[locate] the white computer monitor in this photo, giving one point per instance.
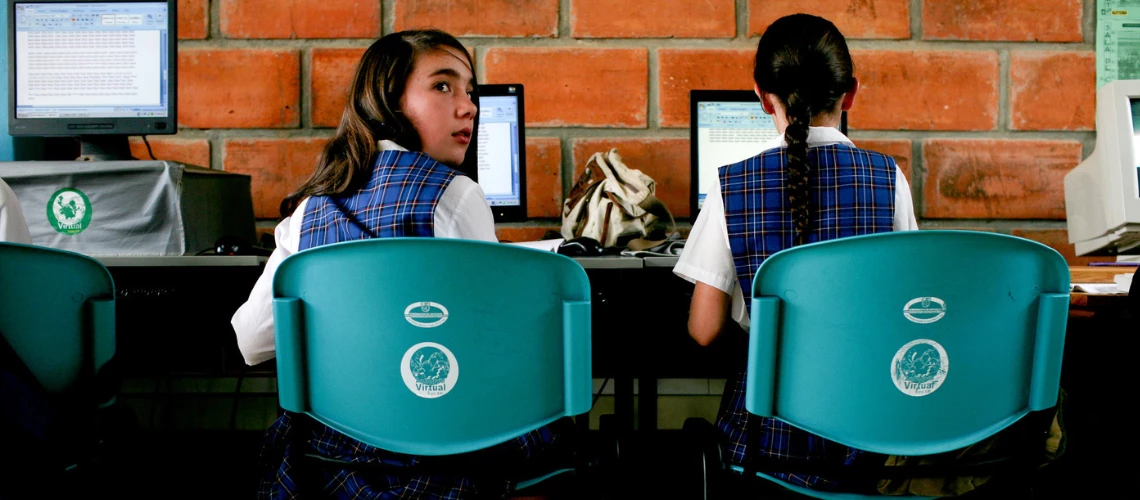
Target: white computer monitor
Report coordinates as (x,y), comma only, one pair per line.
(1102,195)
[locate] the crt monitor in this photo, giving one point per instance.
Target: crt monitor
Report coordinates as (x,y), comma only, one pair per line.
(99,71)
(501,144)
(1102,195)
(726,126)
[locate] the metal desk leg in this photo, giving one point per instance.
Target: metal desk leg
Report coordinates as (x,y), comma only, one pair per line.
(647,404)
(623,402)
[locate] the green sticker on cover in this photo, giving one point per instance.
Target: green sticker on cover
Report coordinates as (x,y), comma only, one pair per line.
(69,211)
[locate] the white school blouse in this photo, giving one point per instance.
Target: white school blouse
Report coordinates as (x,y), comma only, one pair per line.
(13,226)
(707,256)
(462,213)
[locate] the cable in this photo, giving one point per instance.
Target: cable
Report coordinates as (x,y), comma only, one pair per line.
(148,150)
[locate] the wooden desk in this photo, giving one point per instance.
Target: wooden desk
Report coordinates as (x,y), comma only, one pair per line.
(1086,305)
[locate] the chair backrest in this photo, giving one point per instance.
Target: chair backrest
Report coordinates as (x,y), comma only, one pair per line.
(57,312)
(908,343)
(432,346)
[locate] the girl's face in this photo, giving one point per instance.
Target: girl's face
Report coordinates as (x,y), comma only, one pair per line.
(437,102)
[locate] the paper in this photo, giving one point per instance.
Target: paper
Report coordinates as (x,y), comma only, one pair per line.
(547,245)
(1096,288)
(1117,40)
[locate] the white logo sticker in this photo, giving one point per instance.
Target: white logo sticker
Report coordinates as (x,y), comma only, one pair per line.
(425,314)
(925,310)
(919,367)
(429,370)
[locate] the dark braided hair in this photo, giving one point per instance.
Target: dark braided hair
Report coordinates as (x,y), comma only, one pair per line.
(803,61)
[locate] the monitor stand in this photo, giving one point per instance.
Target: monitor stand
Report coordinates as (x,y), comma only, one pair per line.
(104,148)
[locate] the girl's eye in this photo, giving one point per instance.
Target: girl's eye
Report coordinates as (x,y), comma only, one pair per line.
(443,87)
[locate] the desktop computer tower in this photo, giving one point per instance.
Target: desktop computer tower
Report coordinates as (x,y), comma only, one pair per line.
(131,208)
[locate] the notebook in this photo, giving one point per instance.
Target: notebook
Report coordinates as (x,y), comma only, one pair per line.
(501,150)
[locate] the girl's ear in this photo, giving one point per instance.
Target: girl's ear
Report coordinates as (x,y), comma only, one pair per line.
(764,102)
(849,97)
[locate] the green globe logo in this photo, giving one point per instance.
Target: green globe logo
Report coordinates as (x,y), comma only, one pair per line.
(430,366)
(69,211)
(920,364)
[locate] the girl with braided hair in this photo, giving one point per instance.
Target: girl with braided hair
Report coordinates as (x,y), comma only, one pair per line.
(812,184)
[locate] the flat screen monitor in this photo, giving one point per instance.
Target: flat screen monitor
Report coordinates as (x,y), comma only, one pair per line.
(501,145)
(100,71)
(1102,194)
(726,126)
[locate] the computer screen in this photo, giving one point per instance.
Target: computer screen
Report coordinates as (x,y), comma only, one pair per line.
(1102,194)
(103,68)
(727,126)
(501,150)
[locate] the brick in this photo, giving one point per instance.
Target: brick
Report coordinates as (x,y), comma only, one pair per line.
(916,90)
(276,167)
(300,18)
(899,149)
(682,70)
(239,88)
(189,151)
(666,161)
(516,233)
(873,19)
(543,177)
(499,18)
(1052,90)
(652,19)
(332,71)
(193,19)
(1003,20)
(576,87)
(996,179)
(1058,239)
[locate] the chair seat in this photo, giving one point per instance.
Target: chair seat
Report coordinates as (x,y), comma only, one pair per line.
(826,495)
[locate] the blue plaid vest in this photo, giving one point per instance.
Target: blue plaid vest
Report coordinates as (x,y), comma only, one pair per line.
(853,193)
(399,200)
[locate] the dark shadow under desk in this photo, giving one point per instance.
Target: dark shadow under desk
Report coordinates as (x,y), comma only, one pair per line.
(173,313)
(640,332)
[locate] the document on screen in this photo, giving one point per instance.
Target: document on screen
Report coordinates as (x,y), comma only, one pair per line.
(85,68)
(495,176)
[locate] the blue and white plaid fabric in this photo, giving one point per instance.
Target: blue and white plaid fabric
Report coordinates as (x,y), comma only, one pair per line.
(279,460)
(399,200)
(853,193)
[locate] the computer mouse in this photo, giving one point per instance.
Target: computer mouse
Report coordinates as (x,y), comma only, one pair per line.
(582,246)
(231,245)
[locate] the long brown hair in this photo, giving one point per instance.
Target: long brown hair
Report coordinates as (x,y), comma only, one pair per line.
(803,60)
(372,114)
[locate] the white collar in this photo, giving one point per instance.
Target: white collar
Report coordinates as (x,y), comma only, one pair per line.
(386,145)
(817,136)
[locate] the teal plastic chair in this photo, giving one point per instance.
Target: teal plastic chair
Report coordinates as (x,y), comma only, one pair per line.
(57,314)
(432,347)
(907,343)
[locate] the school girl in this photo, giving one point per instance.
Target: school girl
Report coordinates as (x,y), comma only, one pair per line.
(389,171)
(812,184)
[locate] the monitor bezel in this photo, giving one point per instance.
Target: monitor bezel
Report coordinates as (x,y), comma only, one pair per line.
(120,126)
(511,213)
(705,95)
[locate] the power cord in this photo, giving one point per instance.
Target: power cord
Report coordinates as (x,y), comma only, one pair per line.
(148,150)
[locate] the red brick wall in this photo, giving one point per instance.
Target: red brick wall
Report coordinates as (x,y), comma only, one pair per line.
(985,104)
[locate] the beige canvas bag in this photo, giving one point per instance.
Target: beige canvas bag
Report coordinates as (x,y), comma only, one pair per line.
(615,205)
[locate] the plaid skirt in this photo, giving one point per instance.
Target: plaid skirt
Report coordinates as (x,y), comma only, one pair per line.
(780,440)
(279,457)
